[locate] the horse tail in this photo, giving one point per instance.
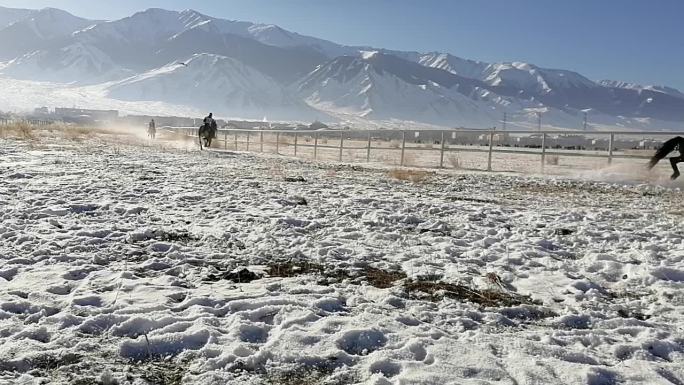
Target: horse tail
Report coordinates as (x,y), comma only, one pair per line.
(665,149)
(199,136)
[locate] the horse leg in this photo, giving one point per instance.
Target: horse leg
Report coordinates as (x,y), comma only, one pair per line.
(673,162)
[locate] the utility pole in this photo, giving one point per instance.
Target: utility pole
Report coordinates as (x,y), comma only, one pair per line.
(585,120)
(539,118)
(504,121)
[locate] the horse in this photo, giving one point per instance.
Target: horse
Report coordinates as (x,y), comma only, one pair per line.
(207,132)
(676,143)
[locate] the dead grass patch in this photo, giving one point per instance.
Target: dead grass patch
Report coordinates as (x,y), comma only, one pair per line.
(454,161)
(308,376)
(21,131)
(409,159)
(76,133)
(295,268)
(382,279)
(552,160)
(285,139)
(436,291)
(408,175)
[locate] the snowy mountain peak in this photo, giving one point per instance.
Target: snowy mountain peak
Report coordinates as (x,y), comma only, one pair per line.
(52,23)
(531,78)
(222,84)
(192,17)
(634,86)
(377,85)
(38,30)
(77,63)
(368,55)
(456,65)
(12,15)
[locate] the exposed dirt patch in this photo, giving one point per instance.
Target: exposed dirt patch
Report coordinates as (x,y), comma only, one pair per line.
(237,276)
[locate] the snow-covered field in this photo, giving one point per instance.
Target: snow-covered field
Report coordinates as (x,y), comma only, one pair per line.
(136,263)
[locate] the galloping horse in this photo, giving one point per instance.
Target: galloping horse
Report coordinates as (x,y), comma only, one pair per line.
(676,143)
(207,132)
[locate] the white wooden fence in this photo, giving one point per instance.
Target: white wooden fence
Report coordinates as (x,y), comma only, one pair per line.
(33,122)
(490,142)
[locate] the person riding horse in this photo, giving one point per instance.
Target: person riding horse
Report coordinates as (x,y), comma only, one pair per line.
(208,130)
(152,129)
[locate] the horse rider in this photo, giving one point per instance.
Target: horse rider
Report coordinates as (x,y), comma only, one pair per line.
(152,129)
(210,120)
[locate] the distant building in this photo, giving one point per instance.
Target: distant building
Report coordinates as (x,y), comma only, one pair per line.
(42,111)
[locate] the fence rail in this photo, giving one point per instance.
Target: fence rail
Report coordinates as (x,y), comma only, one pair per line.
(489,142)
(33,122)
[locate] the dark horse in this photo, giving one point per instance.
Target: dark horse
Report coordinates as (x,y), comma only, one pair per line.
(207,133)
(676,143)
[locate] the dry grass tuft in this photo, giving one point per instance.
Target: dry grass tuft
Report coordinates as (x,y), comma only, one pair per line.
(409,159)
(552,160)
(436,291)
(454,161)
(285,139)
(21,131)
(382,279)
(76,133)
(25,131)
(414,176)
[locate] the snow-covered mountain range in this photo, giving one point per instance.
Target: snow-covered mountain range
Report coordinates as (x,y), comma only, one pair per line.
(253,70)
(217,83)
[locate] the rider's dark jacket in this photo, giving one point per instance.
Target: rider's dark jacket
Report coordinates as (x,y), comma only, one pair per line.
(210,121)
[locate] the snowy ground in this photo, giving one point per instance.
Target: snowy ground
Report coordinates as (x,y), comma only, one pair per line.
(116,261)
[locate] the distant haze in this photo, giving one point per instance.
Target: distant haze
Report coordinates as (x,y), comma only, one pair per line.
(634,41)
(243,69)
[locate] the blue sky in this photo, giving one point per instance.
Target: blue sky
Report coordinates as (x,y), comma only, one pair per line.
(633,40)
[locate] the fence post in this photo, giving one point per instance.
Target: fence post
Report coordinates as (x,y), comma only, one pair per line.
(543,152)
(225,140)
(296,138)
(491,147)
(315,145)
(248,135)
(610,148)
(261,140)
(277,142)
(441,152)
(236,140)
(368,148)
(341,144)
(403,147)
